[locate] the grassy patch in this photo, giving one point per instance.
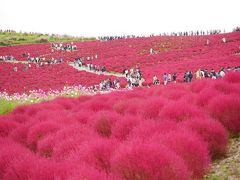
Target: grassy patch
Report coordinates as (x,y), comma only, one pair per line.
(6,106)
(14,38)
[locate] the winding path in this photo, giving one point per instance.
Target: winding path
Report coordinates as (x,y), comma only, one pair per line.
(95,72)
(79,69)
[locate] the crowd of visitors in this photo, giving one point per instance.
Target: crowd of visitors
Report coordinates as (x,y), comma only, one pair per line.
(54,61)
(7,30)
(24,68)
(109,84)
(105,85)
(184,33)
(42,60)
(167,78)
(134,78)
(194,33)
(109,38)
(189,75)
(7,58)
(62,47)
(204,73)
(81,62)
(236,29)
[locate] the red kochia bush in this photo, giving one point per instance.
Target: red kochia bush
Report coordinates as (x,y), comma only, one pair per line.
(96,105)
(39,131)
(83,98)
(174,92)
(36,168)
(189,147)
(32,110)
(212,132)
(83,171)
(103,122)
(122,128)
(138,160)
(199,85)
(66,103)
(47,169)
(151,107)
(60,117)
(9,152)
(62,150)
(205,96)
(20,133)
(133,106)
(226,109)
(6,126)
(21,118)
(21,168)
(227,88)
(120,106)
(96,152)
(82,116)
(232,77)
(45,146)
(66,140)
(147,129)
(180,111)
(20,109)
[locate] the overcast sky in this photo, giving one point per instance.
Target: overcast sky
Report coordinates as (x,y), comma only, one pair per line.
(118,17)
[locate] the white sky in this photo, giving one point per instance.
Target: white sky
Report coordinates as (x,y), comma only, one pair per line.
(118,17)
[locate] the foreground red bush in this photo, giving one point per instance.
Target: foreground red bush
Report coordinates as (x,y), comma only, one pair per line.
(39,131)
(122,128)
(226,109)
(103,122)
(180,111)
(96,153)
(189,147)
(6,127)
(9,153)
(212,132)
(138,160)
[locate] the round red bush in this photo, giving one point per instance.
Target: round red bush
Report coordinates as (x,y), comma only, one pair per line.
(180,111)
(212,132)
(103,121)
(96,153)
(226,109)
(189,147)
(138,160)
(123,127)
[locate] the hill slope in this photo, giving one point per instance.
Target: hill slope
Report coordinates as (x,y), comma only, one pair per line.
(13,38)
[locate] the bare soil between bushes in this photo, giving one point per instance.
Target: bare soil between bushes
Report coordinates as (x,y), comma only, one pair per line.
(228,167)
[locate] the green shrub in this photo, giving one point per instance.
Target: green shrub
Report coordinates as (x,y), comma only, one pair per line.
(42,40)
(22,39)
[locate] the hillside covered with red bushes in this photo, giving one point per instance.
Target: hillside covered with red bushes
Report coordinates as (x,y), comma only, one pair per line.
(171,54)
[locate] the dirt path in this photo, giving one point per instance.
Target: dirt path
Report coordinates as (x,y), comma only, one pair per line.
(16,61)
(94,72)
(78,68)
(227,168)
